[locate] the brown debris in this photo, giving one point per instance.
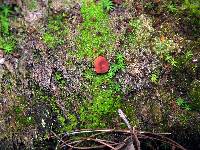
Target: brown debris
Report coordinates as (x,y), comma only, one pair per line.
(139,8)
(16,55)
(118,2)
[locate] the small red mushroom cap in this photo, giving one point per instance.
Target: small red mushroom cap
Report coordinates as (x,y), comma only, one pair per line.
(101,65)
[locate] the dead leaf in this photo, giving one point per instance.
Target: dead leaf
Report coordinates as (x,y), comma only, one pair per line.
(156,1)
(162,38)
(94,50)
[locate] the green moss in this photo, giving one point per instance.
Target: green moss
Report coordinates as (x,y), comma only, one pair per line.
(192,6)
(106,97)
(68,124)
(60,79)
(49,39)
(95,34)
(19,111)
(190,11)
(24,121)
(7,44)
(154,78)
(7,40)
(130,112)
(182,103)
(172,8)
(164,50)
(64,122)
(140,32)
(194,94)
(4,19)
(107,5)
(97,38)
(184,119)
(99,113)
(31,4)
(56,32)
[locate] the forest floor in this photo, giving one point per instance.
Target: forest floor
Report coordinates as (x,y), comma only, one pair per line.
(47,77)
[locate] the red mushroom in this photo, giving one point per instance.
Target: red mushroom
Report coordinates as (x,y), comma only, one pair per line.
(101,65)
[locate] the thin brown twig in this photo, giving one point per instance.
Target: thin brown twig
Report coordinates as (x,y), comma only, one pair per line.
(149,135)
(90,137)
(75,142)
(84,131)
(61,139)
(102,142)
(94,147)
(158,137)
(123,143)
(164,139)
(132,129)
(167,142)
(110,130)
(82,140)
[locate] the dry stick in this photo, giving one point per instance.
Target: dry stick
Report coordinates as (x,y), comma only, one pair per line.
(61,140)
(102,142)
(82,140)
(89,137)
(94,147)
(123,143)
(109,144)
(142,134)
(159,137)
(104,131)
(80,132)
(75,142)
(64,143)
(164,139)
(110,130)
(132,130)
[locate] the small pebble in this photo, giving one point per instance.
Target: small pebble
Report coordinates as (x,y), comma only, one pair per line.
(2,60)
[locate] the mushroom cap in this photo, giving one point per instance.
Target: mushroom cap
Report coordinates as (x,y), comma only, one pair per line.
(101,65)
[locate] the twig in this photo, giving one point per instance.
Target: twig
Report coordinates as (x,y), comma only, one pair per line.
(123,144)
(102,142)
(82,140)
(140,135)
(123,116)
(110,130)
(164,139)
(61,139)
(132,130)
(94,147)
